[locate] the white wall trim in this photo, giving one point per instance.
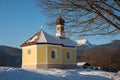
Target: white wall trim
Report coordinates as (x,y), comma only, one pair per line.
(45,63)
(49,45)
(61,55)
(69,47)
(62,63)
(46,54)
(28,46)
(36,54)
(29,64)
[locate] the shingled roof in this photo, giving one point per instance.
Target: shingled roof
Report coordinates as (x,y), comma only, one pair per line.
(42,37)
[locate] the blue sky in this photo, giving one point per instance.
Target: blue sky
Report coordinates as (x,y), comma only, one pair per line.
(20,19)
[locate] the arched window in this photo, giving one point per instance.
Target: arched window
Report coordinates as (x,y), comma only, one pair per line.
(68,55)
(53,54)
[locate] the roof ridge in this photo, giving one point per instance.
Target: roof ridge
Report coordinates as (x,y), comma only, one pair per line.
(43,32)
(27,41)
(46,36)
(43,37)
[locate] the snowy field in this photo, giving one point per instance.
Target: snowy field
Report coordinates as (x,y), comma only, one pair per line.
(8,73)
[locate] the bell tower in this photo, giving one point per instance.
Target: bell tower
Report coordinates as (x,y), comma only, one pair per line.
(60,27)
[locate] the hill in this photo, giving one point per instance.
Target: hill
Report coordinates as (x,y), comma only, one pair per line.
(10,56)
(82,45)
(7,73)
(105,56)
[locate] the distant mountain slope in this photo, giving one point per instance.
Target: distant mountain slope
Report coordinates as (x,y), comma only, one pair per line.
(113,44)
(104,56)
(82,45)
(10,56)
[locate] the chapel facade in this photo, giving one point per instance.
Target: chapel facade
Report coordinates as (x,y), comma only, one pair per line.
(45,51)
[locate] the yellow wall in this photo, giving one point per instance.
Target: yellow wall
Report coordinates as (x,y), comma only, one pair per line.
(73,55)
(61,55)
(40,53)
(29,58)
(41,56)
(54,61)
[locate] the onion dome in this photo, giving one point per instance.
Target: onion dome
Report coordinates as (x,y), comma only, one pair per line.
(60,21)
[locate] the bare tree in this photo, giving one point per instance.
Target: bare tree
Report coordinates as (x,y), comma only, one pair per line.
(86,17)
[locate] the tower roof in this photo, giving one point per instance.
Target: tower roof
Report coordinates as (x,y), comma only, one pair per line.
(42,37)
(60,20)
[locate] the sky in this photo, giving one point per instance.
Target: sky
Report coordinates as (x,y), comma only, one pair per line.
(20,19)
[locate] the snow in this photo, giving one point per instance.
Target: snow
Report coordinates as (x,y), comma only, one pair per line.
(56,40)
(33,39)
(9,73)
(50,38)
(44,37)
(83,42)
(81,63)
(41,38)
(67,42)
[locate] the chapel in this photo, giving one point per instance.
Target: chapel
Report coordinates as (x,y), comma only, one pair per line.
(45,51)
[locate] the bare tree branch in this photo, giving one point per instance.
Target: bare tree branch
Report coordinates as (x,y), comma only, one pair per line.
(86,17)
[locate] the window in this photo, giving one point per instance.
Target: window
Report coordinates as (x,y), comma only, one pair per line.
(58,28)
(53,54)
(62,28)
(68,55)
(28,51)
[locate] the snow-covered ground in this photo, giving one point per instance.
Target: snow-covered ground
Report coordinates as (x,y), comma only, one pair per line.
(8,73)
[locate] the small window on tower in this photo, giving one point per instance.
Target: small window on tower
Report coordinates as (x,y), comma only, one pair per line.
(62,28)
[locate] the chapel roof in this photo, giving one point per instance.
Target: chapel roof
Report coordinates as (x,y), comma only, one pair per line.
(43,37)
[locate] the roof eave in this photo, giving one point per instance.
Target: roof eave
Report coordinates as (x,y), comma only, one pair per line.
(27,44)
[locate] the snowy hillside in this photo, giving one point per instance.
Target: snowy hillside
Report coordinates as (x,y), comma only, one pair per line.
(7,73)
